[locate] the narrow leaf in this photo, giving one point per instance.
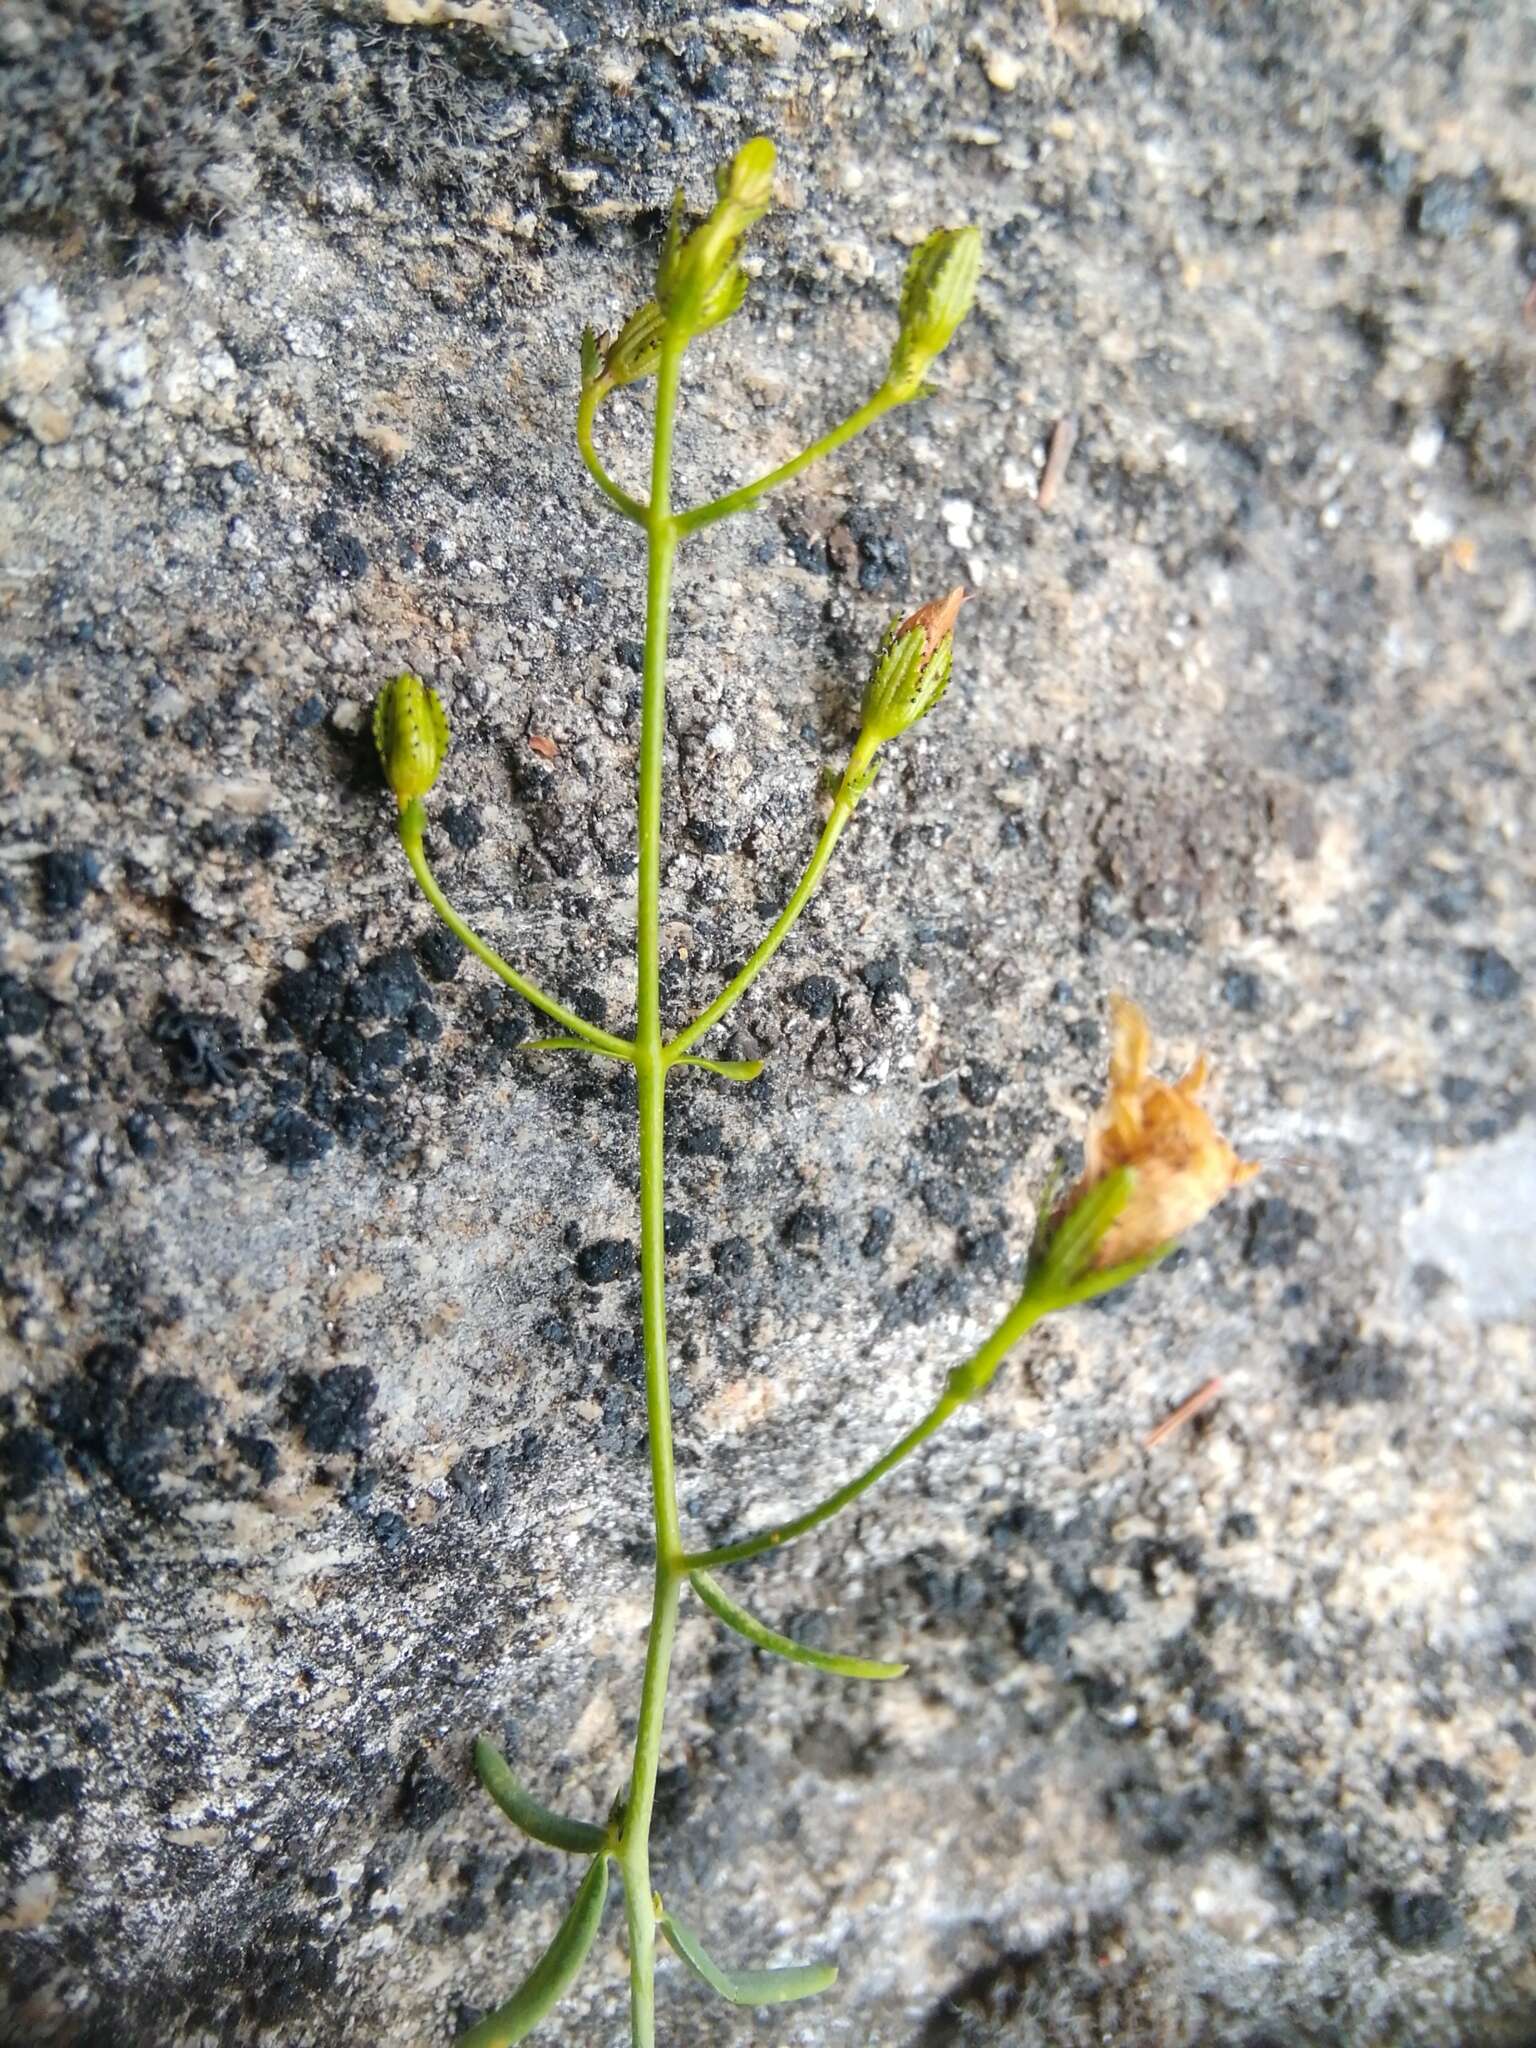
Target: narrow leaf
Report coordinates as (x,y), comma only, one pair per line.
(568,1045)
(747,1987)
(725,1609)
(728,1070)
(552,1975)
(552,1829)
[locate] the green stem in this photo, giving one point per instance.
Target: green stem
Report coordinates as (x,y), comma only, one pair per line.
(805,889)
(739,500)
(651,1074)
(586,413)
(964,1383)
(411,823)
(635,1854)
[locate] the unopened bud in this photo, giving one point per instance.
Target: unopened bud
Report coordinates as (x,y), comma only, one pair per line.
(635,349)
(698,281)
(912,670)
(410,730)
(747,180)
(938,293)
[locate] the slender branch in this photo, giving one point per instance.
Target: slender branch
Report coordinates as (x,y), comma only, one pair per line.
(415,853)
(586,414)
(805,889)
(739,500)
(965,1382)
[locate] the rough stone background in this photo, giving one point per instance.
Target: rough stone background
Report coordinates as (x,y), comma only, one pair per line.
(323,1432)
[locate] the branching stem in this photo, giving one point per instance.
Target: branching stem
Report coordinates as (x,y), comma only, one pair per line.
(586,415)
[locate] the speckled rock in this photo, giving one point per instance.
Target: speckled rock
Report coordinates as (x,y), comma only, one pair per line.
(321,1429)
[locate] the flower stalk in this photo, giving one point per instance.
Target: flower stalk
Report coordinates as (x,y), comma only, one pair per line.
(1154,1161)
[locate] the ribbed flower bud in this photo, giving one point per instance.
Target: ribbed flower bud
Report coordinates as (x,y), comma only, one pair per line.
(912,669)
(938,293)
(632,354)
(698,282)
(410,730)
(747,180)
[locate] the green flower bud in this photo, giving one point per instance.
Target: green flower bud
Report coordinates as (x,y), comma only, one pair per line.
(410,730)
(636,349)
(912,669)
(747,180)
(938,293)
(722,300)
(698,282)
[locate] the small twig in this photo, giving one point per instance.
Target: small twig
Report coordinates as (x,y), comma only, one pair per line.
(1057,456)
(1200,1398)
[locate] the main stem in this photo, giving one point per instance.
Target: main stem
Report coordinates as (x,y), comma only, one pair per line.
(651,1074)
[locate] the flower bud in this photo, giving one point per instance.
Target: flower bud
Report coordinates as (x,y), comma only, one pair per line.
(912,669)
(747,180)
(939,289)
(698,282)
(410,730)
(636,349)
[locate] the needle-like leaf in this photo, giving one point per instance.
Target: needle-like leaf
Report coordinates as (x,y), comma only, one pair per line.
(552,1975)
(578,1837)
(747,1987)
(568,1045)
(1068,1252)
(725,1609)
(728,1070)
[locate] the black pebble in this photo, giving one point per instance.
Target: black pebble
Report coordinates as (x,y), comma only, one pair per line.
(439,953)
(345,556)
(464,826)
(979,1084)
(1276,1232)
(732,1258)
(48,1795)
(1416,1919)
(1490,977)
(816,995)
(68,874)
(807,1227)
(331,1408)
(610,1258)
(389,987)
(1241,990)
(877,1233)
(293,1139)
